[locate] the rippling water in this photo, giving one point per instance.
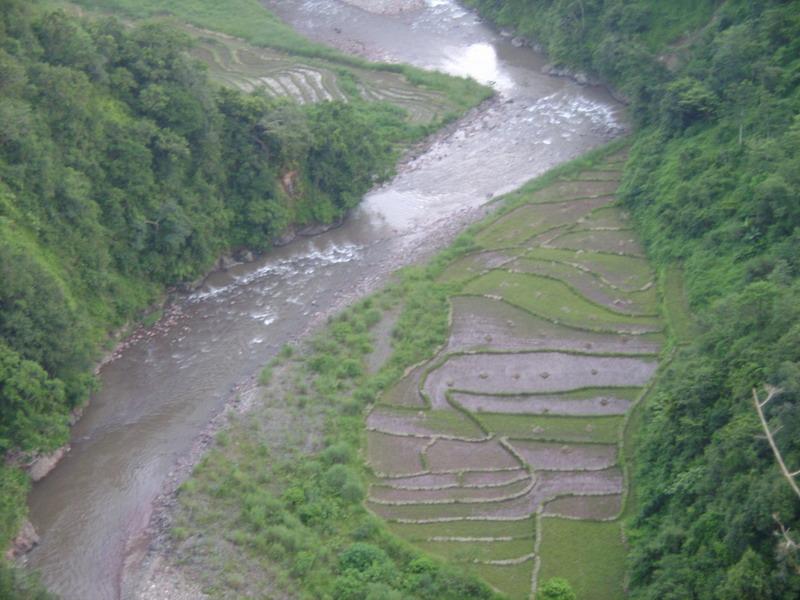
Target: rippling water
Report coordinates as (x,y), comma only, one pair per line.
(166,385)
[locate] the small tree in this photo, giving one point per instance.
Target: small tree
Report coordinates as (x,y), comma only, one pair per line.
(556,588)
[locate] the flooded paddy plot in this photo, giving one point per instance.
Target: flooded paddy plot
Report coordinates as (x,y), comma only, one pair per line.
(492,478)
(640,303)
(572,190)
(390,495)
(591,508)
(422,482)
(450,423)
(234,63)
(548,456)
(556,301)
(617,241)
(540,372)
(395,455)
(406,391)
(552,484)
(628,273)
(554,330)
(600,430)
(481,323)
(608,403)
(523,223)
(450,455)
(516,508)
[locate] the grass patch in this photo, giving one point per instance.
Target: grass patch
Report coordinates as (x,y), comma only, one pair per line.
(628,272)
(482,551)
(676,307)
(590,555)
(555,301)
(252,22)
(601,429)
(513,580)
(422,531)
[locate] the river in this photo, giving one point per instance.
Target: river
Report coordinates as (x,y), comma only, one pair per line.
(163,389)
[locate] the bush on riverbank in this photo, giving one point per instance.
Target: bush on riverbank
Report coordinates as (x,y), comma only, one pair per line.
(713,183)
(122,172)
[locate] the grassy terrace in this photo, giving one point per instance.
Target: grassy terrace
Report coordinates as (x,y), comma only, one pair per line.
(563,255)
(248,48)
(416,458)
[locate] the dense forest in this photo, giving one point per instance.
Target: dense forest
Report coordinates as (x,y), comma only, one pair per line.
(713,181)
(123,172)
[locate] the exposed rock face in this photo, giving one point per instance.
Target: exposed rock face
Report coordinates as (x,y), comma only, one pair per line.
(40,467)
(519,42)
(286,237)
(25,541)
(561,71)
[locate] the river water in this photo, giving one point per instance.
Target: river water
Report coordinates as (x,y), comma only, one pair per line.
(163,389)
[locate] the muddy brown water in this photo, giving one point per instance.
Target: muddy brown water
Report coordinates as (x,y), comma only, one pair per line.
(162,390)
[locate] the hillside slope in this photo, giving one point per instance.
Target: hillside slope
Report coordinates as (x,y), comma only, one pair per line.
(712,182)
(124,171)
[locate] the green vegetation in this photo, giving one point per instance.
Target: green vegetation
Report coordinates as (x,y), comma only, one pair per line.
(250,21)
(557,302)
(124,170)
(712,184)
(293,520)
(458,489)
(590,555)
(556,589)
(262,513)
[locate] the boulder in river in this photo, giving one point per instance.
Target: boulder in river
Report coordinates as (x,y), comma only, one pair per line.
(520,42)
(45,463)
(26,540)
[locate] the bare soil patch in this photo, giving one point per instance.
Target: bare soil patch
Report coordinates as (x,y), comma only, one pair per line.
(464,494)
(530,404)
(593,508)
(481,323)
(537,372)
(395,455)
(551,484)
(418,422)
(406,391)
(566,457)
(449,455)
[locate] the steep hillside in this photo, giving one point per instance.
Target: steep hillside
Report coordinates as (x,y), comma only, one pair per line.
(712,182)
(124,171)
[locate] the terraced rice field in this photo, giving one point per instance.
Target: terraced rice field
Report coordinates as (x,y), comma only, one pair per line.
(503,451)
(233,62)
